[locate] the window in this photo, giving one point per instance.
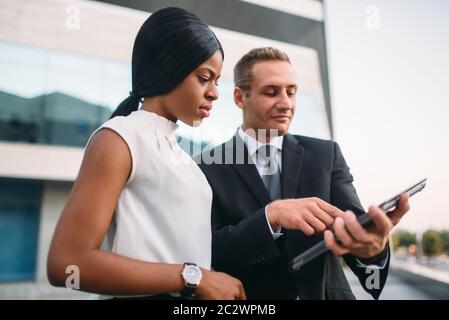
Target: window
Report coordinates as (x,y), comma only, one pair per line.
(20,202)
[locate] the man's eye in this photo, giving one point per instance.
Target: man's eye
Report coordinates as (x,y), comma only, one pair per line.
(270,93)
(291,93)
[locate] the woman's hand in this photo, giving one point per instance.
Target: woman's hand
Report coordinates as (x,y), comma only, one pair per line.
(219,286)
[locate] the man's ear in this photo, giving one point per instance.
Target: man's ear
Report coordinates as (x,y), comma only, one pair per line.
(239,97)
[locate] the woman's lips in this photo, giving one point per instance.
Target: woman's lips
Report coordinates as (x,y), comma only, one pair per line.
(205,111)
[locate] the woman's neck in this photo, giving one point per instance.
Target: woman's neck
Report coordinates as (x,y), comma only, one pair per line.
(154,105)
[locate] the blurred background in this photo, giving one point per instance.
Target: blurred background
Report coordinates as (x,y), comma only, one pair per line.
(373,76)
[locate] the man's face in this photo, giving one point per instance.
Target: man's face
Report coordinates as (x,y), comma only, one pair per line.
(271,101)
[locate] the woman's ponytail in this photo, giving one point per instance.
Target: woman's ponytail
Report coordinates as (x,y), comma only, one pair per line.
(127,106)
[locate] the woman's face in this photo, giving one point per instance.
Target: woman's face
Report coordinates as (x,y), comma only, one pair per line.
(191,101)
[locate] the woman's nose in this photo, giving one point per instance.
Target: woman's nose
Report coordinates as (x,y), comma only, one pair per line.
(212,93)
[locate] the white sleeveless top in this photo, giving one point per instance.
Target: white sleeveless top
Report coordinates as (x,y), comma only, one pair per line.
(163,213)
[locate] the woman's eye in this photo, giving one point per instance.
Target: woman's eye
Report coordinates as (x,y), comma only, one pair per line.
(203,80)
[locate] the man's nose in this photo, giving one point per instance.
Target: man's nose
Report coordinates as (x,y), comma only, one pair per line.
(284,102)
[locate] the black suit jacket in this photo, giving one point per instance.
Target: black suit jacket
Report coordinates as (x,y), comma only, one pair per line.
(242,243)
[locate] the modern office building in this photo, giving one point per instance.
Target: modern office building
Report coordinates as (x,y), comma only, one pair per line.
(65,65)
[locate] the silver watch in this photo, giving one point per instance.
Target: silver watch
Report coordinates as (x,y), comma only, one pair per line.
(192,277)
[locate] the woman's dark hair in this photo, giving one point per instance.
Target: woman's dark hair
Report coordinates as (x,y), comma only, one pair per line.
(171,43)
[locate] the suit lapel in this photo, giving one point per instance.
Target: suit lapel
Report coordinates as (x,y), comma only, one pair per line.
(242,163)
(292,160)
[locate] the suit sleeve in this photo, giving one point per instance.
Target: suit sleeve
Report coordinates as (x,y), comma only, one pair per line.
(344,196)
(243,245)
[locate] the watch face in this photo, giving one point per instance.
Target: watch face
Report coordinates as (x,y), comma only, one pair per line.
(192,274)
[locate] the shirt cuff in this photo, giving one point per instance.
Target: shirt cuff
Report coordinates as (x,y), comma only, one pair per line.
(378,264)
(276,233)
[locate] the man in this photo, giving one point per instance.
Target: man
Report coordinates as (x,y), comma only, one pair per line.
(276,196)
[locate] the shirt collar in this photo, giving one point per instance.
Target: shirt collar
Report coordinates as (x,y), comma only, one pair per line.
(253,145)
(166,127)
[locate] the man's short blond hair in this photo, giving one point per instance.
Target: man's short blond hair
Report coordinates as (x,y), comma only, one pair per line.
(243,68)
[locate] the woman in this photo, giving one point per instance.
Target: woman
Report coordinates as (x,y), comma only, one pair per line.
(154,211)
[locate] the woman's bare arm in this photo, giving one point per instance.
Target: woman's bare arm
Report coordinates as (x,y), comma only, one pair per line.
(84,223)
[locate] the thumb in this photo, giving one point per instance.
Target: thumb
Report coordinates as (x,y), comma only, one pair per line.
(380,219)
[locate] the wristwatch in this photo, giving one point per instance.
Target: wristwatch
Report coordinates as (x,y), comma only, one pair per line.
(192,277)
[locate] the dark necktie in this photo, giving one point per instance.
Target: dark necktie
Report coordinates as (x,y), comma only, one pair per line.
(271,175)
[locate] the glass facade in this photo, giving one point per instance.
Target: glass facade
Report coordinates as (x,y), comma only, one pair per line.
(57,98)
(52,97)
(20,202)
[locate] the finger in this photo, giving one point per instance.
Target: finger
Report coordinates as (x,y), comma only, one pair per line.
(328,208)
(380,219)
(332,245)
(323,216)
(342,233)
(354,228)
(401,209)
(305,227)
(316,224)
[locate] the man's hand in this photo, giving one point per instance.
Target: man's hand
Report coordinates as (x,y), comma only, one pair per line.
(310,215)
(360,242)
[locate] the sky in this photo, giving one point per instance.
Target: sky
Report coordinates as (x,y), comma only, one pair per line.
(389,77)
